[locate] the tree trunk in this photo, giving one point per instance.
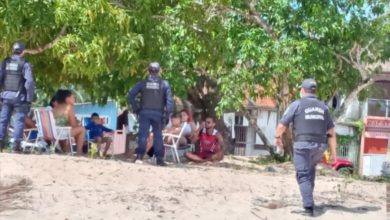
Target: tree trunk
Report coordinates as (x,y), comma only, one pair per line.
(341,116)
(253,123)
(204,105)
(284,98)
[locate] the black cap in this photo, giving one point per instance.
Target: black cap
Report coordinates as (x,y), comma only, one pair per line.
(18,48)
(154,67)
(309,85)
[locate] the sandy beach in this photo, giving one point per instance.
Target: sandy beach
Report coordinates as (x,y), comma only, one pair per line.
(67,188)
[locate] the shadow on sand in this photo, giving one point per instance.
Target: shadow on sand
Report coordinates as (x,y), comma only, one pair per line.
(322,209)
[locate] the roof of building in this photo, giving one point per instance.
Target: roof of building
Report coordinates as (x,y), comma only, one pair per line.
(261,102)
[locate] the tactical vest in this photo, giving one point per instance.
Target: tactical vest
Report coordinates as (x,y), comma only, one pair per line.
(13,78)
(310,122)
(153,95)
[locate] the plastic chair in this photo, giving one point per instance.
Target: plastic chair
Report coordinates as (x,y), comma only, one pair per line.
(175,145)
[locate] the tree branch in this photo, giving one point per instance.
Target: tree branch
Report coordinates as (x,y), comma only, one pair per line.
(352,96)
(118,3)
(49,45)
(339,56)
(173,20)
(367,46)
(253,16)
(256,17)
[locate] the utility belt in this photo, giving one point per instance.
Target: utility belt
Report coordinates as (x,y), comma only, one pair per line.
(153,109)
(20,107)
(322,139)
(23,108)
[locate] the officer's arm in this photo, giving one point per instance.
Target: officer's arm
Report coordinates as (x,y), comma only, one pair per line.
(131,96)
(332,137)
(280,129)
(286,119)
(29,85)
(332,141)
(1,73)
(169,98)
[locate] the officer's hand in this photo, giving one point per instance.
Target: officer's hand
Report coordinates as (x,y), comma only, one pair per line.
(165,120)
(278,142)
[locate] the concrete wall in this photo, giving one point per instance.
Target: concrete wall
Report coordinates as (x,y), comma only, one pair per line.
(267,121)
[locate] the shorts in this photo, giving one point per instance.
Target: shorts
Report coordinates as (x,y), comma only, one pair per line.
(206,155)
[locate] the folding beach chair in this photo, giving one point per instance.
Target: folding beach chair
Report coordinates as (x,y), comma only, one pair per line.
(92,150)
(118,144)
(47,129)
(29,141)
(175,145)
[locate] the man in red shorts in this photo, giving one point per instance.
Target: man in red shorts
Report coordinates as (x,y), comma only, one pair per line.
(210,143)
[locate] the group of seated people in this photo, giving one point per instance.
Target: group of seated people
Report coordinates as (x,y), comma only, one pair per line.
(62,106)
(209,140)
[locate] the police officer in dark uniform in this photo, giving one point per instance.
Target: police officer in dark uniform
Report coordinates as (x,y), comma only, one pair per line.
(155,107)
(313,130)
(17,93)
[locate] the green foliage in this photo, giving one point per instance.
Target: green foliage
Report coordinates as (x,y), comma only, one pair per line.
(97,45)
(244,57)
(107,45)
(380,179)
(345,140)
(359,124)
(276,158)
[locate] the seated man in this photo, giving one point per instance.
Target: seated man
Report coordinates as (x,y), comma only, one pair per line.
(210,143)
(96,130)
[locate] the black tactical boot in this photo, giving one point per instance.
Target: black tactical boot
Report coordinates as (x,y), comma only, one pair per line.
(17,148)
(160,162)
(309,211)
(1,146)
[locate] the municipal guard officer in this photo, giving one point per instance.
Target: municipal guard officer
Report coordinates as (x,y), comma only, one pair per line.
(313,129)
(155,106)
(17,93)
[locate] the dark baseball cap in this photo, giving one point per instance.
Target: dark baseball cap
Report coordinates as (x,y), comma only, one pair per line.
(18,47)
(309,84)
(154,67)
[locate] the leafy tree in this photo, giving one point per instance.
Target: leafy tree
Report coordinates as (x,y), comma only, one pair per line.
(216,53)
(276,44)
(87,42)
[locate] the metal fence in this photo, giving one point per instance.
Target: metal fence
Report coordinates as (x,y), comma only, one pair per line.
(240,139)
(349,151)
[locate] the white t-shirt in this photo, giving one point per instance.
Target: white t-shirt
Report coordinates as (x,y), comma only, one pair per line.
(187,129)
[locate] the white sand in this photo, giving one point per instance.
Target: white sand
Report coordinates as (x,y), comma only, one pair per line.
(71,188)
